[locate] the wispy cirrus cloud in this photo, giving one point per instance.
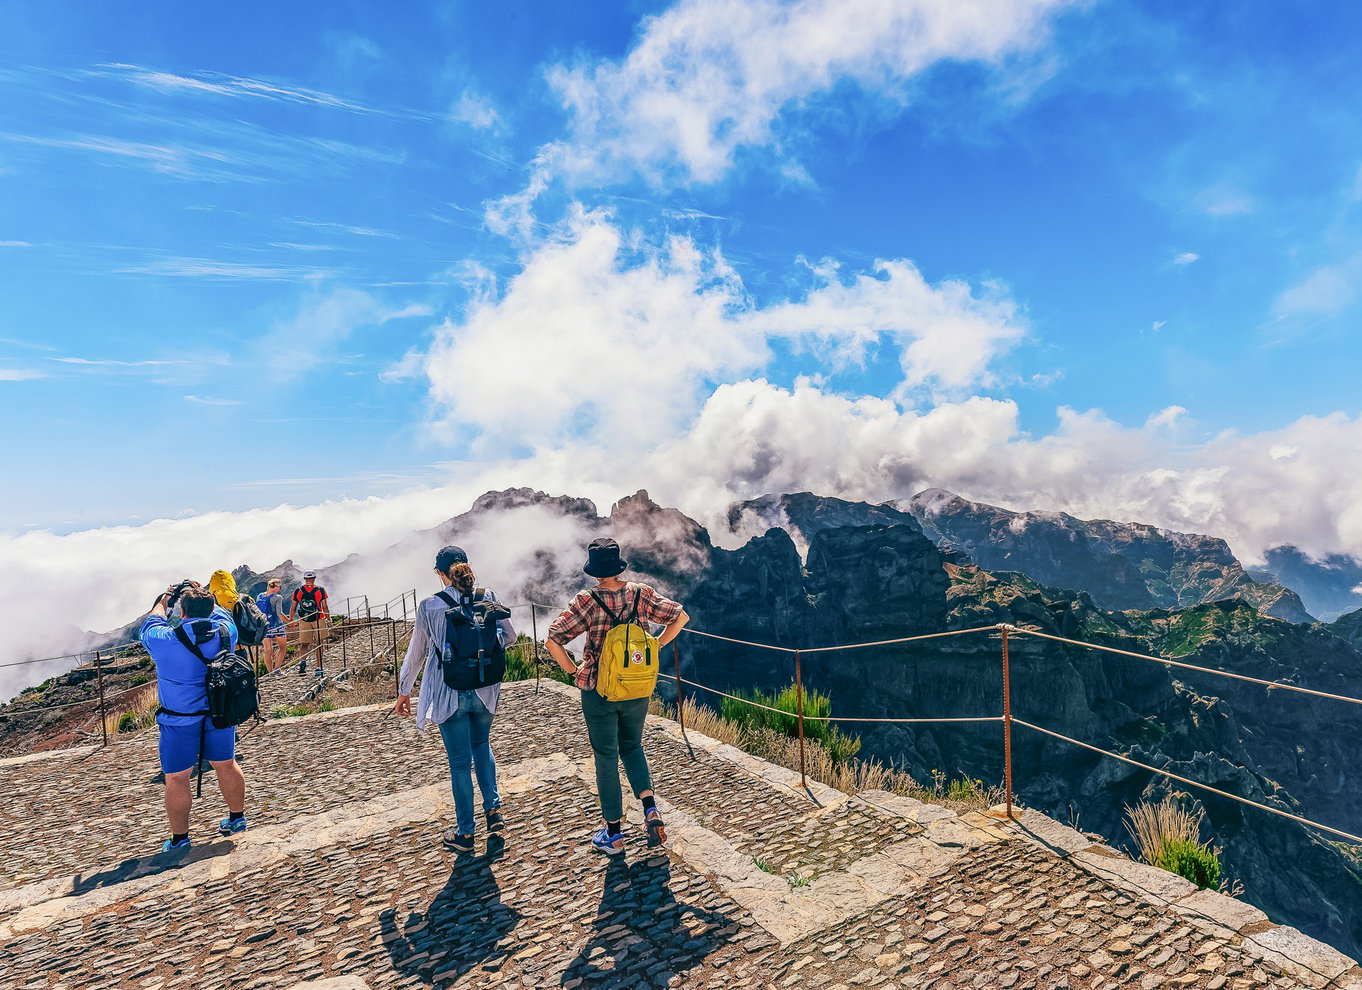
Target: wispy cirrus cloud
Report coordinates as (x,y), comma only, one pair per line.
(208,268)
(220,84)
(200,400)
(20,374)
(15,244)
(112,363)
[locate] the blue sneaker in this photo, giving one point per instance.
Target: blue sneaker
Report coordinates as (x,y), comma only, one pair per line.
(611,845)
(319,672)
(229,827)
(170,844)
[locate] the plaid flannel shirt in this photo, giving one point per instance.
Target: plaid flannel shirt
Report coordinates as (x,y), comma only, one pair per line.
(584,615)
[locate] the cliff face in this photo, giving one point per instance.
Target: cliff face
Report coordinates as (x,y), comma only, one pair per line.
(867,583)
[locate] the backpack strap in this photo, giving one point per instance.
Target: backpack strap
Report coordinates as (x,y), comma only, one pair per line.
(614,619)
(638,593)
(193,647)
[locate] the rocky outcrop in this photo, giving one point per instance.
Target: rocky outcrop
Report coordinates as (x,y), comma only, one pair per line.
(1121,565)
(1329,587)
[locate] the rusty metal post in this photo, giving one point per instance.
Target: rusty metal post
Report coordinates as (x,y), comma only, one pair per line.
(799,704)
(368,616)
(680,700)
(534,637)
(1007,724)
(103,713)
(345,650)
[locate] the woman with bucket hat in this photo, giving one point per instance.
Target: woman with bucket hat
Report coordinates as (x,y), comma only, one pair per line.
(463,714)
(615,728)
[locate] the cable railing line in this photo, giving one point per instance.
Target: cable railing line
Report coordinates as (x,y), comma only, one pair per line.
(825,718)
(1271,685)
(903,639)
(1193,783)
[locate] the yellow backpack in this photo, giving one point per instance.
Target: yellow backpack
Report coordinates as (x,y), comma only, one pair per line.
(629,658)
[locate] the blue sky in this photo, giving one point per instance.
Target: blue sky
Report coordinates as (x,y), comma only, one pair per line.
(1100,257)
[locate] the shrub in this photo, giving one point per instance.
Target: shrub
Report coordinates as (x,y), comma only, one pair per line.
(1199,864)
(1169,837)
(128,722)
(137,679)
(840,747)
(520,663)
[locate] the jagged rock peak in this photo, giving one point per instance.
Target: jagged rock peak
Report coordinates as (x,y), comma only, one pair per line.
(518,498)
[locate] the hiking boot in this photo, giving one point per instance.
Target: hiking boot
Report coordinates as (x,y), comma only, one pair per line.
(229,826)
(494,820)
(611,845)
(457,843)
(657,831)
(170,844)
(302,667)
(319,672)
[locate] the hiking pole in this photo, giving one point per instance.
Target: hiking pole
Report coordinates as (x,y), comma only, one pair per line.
(534,630)
(103,714)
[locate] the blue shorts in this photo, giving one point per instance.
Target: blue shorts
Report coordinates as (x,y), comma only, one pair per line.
(180,744)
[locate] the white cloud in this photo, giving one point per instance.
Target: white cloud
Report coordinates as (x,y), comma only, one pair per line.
(709,78)
(15,244)
(1224,201)
(209,401)
(1186,258)
(476,111)
(609,328)
(310,337)
(1327,291)
(19,374)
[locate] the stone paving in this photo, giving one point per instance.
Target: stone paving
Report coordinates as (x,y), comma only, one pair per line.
(342,878)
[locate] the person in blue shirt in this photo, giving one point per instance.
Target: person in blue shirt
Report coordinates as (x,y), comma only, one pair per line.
(183,716)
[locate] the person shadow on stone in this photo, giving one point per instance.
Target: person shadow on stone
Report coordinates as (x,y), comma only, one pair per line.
(642,936)
(461,928)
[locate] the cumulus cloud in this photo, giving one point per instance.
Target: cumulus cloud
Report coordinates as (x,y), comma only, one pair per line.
(708,78)
(609,328)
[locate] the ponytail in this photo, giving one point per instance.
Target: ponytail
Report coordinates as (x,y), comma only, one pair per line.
(461,576)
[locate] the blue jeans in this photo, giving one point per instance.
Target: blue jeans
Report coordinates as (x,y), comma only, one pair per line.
(466,744)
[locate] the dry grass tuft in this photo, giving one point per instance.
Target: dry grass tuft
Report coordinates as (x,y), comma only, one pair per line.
(851,776)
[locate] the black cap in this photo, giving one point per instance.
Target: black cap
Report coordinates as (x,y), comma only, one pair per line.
(448,557)
(603,559)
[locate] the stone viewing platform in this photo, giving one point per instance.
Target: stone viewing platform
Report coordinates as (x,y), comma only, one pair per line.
(341,881)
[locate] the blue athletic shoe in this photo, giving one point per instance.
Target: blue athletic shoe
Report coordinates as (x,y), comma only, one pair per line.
(229,827)
(170,844)
(611,845)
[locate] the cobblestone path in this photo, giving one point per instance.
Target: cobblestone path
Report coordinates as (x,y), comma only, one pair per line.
(763,884)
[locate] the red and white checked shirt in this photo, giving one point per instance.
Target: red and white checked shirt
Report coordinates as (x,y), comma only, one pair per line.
(584,615)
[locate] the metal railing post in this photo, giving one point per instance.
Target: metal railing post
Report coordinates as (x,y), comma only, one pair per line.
(345,650)
(1007,722)
(799,704)
(103,712)
(534,637)
(680,699)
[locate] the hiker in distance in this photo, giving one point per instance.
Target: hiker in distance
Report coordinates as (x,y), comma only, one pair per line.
(313,616)
(181,688)
(458,646)
(276,634)
(617,674)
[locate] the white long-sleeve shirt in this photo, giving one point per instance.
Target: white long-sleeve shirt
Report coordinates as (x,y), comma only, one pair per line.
(437,701)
